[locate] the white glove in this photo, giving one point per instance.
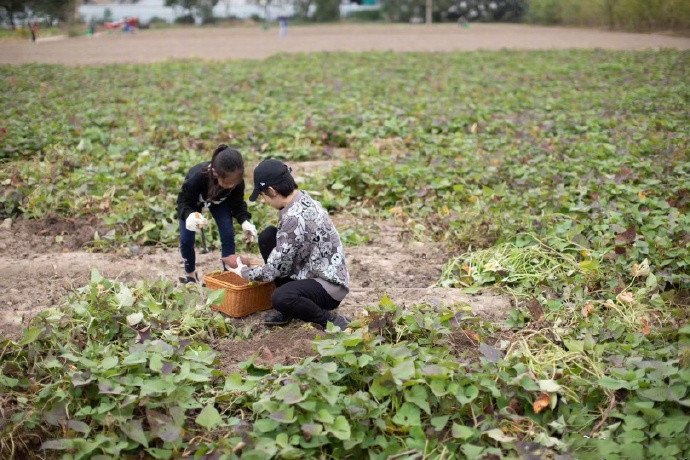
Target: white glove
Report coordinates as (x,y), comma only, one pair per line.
(195,222)
(237,270)
(249,232)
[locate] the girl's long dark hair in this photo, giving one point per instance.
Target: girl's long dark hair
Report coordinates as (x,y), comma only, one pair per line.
(224,161)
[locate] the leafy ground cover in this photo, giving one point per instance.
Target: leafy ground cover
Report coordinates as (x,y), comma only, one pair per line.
(560,177)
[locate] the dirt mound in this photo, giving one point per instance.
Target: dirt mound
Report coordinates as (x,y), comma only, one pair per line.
(284,345)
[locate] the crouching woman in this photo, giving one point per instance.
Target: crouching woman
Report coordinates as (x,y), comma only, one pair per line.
(303,254)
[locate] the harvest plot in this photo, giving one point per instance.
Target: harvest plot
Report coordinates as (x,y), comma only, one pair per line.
(557,179)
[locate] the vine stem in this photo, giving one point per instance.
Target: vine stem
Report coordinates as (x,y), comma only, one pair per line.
(604,417)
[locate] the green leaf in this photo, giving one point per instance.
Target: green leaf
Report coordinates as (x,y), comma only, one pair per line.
(162,454)
(125,299)
(613,384)
(419,396)
(30,335)
(216,296)
(549,386)
(153,386)
(265,425)
(134,318)
(383,385)
(134,431)
(589,265)
(526,382)
(439,387)
(669,393)
(284,415)
(672,426)
(408,415)
(462,432)
(290,394)
(633,451)
(404,370)
(340,428)
(324,416)
(156,362)
(467,394)
(234,382)
(471,289)
(8,382)
(439,422)
(209,417)
(472,451)
(386,301)
(499,435)
(632,422)
(109,362)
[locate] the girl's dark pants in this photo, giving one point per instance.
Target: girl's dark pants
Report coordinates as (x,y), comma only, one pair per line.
(223,217)
(302,299)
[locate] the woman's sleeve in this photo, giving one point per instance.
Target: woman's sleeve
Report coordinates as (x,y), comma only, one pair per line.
(188,197)
(281,261)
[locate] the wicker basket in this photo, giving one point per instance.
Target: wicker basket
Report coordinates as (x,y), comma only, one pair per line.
(241,299)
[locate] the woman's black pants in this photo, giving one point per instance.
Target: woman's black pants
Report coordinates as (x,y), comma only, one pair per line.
(302,299)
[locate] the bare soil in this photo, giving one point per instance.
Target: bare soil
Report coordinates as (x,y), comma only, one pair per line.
(253,42)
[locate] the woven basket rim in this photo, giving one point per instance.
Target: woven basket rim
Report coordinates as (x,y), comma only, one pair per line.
(217,279)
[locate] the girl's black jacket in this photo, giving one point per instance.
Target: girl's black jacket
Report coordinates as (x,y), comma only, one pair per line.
(194,195)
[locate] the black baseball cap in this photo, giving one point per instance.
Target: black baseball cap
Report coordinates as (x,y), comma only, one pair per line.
(268,172)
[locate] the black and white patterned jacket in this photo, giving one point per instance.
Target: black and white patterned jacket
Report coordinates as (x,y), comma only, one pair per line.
(307,247)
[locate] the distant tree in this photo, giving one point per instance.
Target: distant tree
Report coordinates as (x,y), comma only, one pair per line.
(202,8)
(266,4)
(302,8)
(62,10)
(401,10)
(327,10)
(13,8)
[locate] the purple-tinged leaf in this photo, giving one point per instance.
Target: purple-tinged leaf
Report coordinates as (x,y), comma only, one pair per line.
(490,353)
(106,387)
(144,334)
(78,426)
(626,237)
(166,368)
(58,444)
(81,378)
(56,416)
(134,431)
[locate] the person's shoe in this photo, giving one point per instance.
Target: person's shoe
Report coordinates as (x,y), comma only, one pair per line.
(339,320)
(276,318)
(191,279)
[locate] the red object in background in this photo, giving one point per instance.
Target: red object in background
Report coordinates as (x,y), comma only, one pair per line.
(132,21)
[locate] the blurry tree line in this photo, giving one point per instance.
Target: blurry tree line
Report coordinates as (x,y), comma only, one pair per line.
(15,12)
(638,15)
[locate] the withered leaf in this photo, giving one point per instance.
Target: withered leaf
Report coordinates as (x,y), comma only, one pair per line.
(541,403)
(627,236)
